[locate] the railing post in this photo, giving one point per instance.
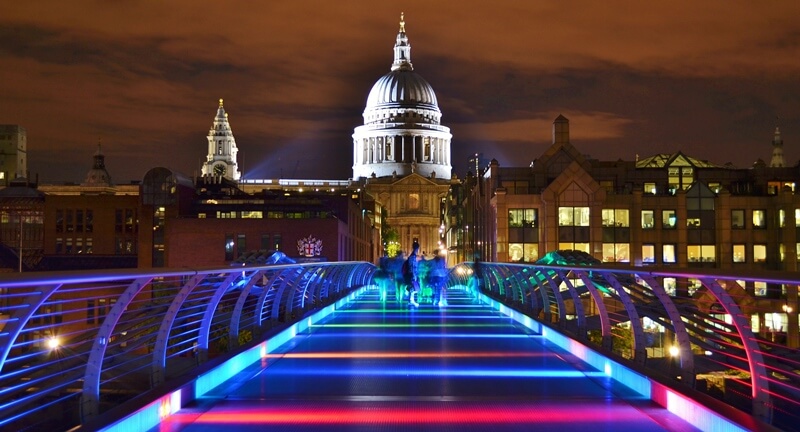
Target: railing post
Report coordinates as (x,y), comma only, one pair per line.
(762,403)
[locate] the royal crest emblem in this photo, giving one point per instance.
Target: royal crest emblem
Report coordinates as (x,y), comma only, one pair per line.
(309,247)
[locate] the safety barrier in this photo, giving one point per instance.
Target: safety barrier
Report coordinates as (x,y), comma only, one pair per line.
(691,327)
(73,345)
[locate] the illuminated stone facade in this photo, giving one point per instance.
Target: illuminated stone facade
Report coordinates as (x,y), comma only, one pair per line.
(222,150)
(402,152)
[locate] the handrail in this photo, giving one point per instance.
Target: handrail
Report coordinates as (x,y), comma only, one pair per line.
(718,353)
(117,334)
(73,344)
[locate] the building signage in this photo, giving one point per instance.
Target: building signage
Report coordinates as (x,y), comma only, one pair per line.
(309,247)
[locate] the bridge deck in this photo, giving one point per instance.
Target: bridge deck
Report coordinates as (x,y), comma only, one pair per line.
(390,367)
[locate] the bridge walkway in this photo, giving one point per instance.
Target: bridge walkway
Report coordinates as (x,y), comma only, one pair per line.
(382,365)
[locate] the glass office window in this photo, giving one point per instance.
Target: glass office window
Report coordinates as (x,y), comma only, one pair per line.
(668,255)
(737,219)
(739,253)
(648,219)
(759,218)
(759,253)
(648,254)
(669,220)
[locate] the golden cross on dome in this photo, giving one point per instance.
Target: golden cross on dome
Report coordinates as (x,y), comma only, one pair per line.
(220,102)
(402,23)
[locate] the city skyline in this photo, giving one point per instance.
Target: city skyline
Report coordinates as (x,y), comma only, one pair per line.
(710,80)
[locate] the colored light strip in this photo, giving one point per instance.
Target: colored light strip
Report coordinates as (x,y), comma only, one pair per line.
(403,325)
(419,335)
(446,371)
(404,354)
(423,310)
(436,318)
(418,415)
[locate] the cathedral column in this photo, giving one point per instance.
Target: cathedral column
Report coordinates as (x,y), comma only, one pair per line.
(447,151)
(371,151)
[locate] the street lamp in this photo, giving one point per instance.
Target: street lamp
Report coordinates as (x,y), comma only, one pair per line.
(53,342)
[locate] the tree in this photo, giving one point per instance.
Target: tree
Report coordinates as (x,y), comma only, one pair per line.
(389,237)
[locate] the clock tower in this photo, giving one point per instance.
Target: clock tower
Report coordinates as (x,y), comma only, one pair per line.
(222,150)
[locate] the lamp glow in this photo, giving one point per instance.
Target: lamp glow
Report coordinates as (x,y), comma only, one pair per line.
(53,343)
(674,351)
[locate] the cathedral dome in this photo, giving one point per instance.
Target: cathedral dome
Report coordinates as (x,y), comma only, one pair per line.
(402,131)
(401,88)
(98,175)
(402,95)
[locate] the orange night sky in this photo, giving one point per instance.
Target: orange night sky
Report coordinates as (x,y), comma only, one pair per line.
(711,79)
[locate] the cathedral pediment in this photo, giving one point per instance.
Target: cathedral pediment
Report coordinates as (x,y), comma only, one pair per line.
(414,179)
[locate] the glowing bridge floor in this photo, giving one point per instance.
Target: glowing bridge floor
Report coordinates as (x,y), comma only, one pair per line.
(389,367)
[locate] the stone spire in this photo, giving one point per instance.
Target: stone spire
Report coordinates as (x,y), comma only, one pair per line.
(98,175)
(402,49)
(777,150)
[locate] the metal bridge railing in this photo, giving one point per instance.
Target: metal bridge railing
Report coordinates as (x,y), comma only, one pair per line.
(694,328)
(73,345)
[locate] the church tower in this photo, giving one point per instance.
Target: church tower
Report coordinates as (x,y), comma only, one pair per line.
(777,150)
(222,150)
(98,175)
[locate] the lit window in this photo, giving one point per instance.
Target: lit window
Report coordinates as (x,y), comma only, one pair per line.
(669,220)
(615,217)
(759,253)
(573,216)
(701,253)
(413,201)
(670,286)
(668,256)
(583,247)
(739,253)
(759,218)
(616,252)
(648,219)
(523,252)
(648,254)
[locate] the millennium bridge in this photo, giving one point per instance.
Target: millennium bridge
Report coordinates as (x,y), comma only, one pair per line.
(558,345)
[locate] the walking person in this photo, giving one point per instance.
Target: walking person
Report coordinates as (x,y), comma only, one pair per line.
(410,275)
(477,274)
(383,277)
(436,278)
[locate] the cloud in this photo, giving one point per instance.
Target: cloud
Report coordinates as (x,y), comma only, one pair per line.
(583,126)
(145,77)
